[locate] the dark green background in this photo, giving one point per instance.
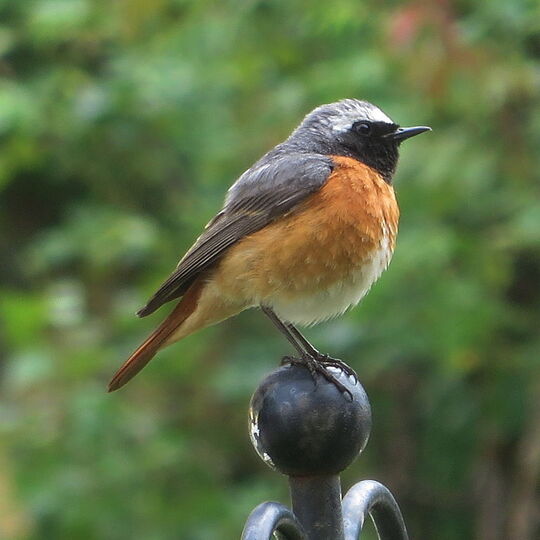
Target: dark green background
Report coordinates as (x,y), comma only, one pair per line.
(122,123)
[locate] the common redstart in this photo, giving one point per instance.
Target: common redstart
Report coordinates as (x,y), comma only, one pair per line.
(303,234)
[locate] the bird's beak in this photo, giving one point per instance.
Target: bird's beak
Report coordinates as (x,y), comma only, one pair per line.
(405,133)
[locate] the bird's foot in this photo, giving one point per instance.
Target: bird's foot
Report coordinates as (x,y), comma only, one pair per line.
(318,365)
(335,362)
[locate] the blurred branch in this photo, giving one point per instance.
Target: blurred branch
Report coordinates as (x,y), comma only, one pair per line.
(524,512)
(14,522)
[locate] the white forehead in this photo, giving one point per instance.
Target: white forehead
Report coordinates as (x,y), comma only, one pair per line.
(342,115)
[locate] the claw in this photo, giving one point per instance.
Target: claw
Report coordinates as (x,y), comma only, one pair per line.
(320,366)
(334,362)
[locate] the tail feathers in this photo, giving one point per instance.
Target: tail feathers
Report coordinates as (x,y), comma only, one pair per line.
(156,340)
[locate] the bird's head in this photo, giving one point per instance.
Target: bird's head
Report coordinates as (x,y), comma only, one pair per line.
(357,129)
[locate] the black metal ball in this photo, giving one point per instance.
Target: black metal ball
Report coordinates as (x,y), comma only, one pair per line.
(302,429)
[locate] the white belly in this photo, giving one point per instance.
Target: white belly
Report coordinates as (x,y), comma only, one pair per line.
(337,298)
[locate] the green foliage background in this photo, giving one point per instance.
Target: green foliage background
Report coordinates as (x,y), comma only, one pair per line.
(122,123)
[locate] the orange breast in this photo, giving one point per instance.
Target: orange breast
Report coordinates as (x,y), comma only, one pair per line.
(324,241)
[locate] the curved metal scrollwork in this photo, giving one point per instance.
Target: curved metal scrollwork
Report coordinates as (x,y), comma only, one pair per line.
(269,518)
(372,498)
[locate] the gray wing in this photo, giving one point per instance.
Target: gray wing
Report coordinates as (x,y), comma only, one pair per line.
(266,191)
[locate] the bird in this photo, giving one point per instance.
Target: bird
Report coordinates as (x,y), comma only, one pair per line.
(303,234)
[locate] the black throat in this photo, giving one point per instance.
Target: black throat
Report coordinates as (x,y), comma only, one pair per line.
(381,158)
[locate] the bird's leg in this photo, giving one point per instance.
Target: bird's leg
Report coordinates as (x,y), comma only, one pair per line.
(284,329)
(310,357)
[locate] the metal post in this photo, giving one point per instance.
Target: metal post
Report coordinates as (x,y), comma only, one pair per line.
(316,503)
(311,432)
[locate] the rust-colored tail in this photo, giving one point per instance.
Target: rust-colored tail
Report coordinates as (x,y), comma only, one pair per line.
(157,338)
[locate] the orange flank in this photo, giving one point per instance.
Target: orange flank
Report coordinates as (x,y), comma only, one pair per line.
(321,242)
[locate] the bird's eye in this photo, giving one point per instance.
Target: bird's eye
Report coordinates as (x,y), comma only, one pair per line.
(363,128)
